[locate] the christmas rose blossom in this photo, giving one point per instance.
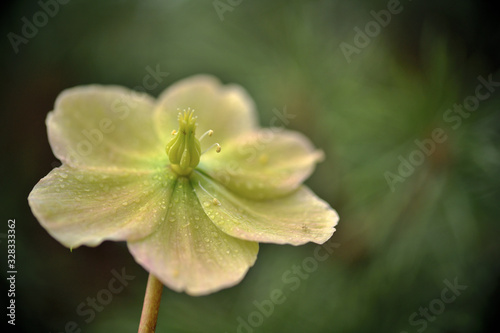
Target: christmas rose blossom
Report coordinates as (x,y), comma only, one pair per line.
(192,219)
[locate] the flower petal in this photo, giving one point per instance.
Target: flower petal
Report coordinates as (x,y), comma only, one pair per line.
(102,126)
(264,164)
(79,207)
(295,219)
(227,110)
(188,252)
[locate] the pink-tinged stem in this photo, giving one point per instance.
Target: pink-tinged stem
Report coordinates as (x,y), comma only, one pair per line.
(151,306)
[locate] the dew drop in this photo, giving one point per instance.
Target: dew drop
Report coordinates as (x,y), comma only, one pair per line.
(263,159)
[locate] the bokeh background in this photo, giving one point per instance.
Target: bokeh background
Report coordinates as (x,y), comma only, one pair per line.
(393,248)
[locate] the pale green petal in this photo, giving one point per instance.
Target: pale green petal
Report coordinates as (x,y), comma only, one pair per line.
(81,207)
(103,126)
(189,253)
(263,164)
(228,110)
(297,218)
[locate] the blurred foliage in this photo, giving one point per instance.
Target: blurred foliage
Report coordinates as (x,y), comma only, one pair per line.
(395,247)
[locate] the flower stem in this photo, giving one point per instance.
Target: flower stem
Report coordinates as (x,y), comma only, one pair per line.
(151,305)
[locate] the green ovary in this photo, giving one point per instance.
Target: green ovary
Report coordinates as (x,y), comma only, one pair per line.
(184,149)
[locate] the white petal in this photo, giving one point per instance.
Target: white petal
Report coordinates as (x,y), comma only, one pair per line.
(79,207)
(189,253)
(263,164)
(228,110)
(297,218)
(104,126)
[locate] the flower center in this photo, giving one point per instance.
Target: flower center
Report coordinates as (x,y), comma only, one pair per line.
(184,149)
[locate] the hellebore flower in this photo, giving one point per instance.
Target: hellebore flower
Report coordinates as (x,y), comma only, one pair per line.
(192,219)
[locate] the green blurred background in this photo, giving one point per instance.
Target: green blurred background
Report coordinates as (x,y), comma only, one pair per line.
(393,248)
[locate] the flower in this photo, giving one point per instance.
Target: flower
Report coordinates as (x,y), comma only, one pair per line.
(193,220)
